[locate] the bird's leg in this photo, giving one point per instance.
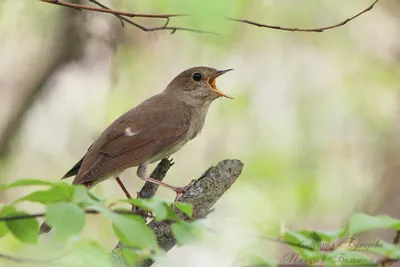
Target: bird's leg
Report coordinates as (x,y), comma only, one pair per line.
(123,187)
(142,174)
(125,191)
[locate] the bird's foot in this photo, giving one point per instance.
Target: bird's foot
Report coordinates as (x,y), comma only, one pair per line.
(180,190)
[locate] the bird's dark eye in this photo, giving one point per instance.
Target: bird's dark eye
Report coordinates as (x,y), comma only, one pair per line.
(196,76)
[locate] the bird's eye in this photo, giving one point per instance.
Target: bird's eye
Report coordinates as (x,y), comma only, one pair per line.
(196,76)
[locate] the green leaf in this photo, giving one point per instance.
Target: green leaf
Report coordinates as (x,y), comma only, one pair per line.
(66,219)
(383,248)
(3,229)
(132,231)
(253,259)
(84,253)
(95,197)
(130,256)
(84,197)
(313,239)
(329,236)
(3,225)
(26,230)
(184,207)
(161,210)
(186,232)
(25,182)
(361,222)
(57,193)
(302,238)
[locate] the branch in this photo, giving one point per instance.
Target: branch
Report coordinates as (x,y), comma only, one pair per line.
(305,29)
(29,260)
(104,9)
(388,261)
(203,194)
(122,16)
(42,214)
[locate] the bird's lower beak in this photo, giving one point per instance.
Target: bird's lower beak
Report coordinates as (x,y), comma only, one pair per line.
(213,84)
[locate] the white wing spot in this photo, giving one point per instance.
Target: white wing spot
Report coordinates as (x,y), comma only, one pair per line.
(128,132)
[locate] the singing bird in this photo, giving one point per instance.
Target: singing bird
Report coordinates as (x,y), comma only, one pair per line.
(151,131)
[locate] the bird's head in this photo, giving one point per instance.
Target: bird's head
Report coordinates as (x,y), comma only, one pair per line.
(197,84)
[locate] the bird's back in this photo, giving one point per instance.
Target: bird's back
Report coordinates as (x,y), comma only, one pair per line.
(135,137)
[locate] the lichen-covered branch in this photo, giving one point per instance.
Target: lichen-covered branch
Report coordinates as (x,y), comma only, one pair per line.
(202,195)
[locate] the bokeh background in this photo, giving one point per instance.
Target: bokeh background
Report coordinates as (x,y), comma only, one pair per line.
(315,118)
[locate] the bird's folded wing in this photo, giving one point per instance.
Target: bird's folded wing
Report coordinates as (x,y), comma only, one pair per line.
(127,143)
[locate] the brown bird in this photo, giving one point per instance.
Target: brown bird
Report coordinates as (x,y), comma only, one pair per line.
(151,131)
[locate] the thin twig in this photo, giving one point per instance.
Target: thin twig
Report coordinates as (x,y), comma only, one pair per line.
(305,29)
(103,6)
(105,9)
(121,15)
(396,239)
(29,260)
(388,261)
(42,214)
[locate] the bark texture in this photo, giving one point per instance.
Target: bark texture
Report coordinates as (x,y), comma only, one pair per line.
(202,195)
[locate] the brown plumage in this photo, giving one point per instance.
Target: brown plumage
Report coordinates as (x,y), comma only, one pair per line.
(135,137)
(155,129)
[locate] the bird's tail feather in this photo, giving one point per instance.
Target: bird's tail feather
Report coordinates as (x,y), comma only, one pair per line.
(44,228)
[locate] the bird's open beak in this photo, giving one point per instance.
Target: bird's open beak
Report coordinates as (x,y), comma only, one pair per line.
(212,82)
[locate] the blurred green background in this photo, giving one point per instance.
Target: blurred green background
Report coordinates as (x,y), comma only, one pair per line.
(314,119)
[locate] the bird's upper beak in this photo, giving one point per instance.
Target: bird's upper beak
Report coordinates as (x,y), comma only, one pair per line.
(211,81)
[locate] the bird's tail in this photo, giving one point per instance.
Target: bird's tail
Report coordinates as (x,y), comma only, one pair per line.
(44,228)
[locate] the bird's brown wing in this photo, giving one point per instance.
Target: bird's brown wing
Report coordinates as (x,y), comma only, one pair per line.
(152,127)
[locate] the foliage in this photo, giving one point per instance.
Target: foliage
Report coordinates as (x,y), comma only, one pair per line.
(66,206)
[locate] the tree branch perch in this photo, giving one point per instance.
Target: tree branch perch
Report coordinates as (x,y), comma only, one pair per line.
(202,195)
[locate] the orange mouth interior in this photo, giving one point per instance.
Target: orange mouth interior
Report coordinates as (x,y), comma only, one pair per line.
(213,84)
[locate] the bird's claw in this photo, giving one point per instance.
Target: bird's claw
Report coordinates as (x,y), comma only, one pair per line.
(180,190)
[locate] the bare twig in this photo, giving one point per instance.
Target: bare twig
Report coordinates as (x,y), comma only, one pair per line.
(103,6)
(42,214)
(321,29)
(105,9)
(386,262)
(122,16)
(29,260)
(396,239)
